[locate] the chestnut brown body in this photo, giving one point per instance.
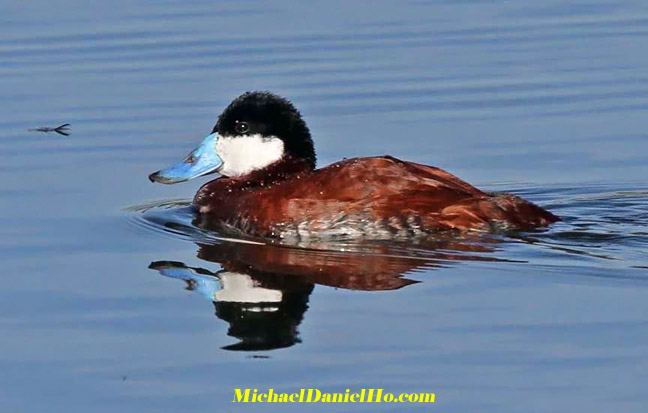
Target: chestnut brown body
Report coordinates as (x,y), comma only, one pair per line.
(376,197)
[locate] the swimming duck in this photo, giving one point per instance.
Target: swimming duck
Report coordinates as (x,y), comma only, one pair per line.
(269,186)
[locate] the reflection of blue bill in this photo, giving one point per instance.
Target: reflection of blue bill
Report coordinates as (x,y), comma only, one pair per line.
(206,285)
(221,286)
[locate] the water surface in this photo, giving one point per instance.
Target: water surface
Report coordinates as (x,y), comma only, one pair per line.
(112,293)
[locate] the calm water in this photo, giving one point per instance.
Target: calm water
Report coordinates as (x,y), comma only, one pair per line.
(112,294)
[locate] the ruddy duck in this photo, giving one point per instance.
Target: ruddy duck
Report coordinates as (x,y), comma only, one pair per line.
(269,186)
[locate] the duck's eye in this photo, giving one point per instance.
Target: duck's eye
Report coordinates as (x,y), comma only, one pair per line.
(242,127)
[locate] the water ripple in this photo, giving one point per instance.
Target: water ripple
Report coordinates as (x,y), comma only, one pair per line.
(600,226)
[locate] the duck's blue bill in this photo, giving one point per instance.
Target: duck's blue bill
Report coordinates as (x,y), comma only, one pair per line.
(201,161)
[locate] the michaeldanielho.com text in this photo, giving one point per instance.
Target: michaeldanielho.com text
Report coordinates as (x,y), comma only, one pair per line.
(317,396)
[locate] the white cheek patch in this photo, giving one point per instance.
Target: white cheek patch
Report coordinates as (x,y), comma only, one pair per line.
(244,154)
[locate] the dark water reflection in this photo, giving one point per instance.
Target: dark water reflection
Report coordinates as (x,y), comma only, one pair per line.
(262,288)
(263,309)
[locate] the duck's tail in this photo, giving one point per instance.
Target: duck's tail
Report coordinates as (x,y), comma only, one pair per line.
(497,212)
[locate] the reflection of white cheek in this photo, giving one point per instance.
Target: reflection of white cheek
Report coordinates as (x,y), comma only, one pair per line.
(239,288)
(262,309)
(244,154)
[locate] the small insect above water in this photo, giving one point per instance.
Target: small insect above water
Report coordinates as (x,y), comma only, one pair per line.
(63,129)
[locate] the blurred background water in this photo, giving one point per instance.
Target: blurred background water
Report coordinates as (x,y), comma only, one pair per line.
(544,99)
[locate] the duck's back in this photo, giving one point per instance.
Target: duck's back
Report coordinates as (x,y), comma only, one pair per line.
(380,197)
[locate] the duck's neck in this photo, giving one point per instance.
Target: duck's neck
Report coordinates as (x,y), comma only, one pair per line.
(285,168)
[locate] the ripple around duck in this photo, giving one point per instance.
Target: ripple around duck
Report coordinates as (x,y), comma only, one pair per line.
(601,226)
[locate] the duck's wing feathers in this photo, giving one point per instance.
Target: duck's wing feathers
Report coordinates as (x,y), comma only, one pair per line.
(406,194)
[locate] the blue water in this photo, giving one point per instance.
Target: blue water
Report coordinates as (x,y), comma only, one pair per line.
(110,287)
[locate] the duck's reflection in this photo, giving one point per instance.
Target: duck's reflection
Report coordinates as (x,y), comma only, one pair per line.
(262,290)
(263,312)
